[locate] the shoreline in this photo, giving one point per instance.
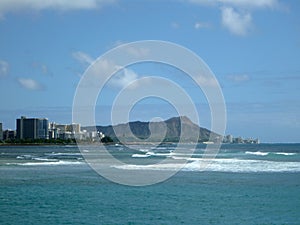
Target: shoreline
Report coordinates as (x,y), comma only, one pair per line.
(126,143)
(35,144)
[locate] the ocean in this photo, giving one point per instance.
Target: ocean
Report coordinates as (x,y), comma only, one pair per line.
(245,184)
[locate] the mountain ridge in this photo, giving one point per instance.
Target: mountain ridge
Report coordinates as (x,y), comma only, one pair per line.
(158,131)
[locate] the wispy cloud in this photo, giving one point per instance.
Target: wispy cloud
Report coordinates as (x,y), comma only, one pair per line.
(175,25)
(62,5)
(133,51)
(238,78)
(200,25)
(238,3)
(125,78)
(82,57)
(207,81)
(236,14)
(30,84)
(237,23)
(137,51)
(252,3)
(103,67)
(117,43)
(41,68)
(121,79)
(4,68)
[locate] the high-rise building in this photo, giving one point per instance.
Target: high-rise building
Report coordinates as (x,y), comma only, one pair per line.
(1,132)
(74,128)
(32,128)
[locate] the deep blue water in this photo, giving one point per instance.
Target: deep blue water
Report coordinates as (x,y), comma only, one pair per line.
(246,184)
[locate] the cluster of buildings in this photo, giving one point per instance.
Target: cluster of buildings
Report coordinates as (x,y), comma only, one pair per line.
(239,140)
(40,128)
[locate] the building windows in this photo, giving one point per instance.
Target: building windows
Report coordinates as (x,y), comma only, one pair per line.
(32,128)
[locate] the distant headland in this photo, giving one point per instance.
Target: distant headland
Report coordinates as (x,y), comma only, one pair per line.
(41,131)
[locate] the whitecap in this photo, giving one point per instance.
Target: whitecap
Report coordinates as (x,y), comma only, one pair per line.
(64,154)
(285,153)
(24,157)
(140,156)
(257,153)
(44,159)
(221,165)
(47,163)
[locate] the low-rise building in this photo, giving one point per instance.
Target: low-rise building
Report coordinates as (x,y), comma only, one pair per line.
(9,135)
(228,139)
(1,132)
(67,131)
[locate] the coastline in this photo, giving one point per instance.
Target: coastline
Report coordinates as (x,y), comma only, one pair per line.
(133,143)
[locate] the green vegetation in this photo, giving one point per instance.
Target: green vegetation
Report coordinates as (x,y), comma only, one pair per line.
(107,139)
(40,141)
(58,141)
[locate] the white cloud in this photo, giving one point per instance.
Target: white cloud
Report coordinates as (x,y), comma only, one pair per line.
(133,51)
(238,78)
(82,57)
(199,25)
(137,51)
(101,67)
(30,84)
(203,2)
(175,25)
(236,14)
(236,23)
(62,5)
(121,77)
(206,81)
(41,68)
(118,42)
(251,3)
(238,3)
(124,78)
(44,69)
(4,67)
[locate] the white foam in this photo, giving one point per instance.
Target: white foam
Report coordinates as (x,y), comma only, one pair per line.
(143,150)
(168,166)
(238,165)
(162,148)
(172,154)
(187,158)
(284,153)
(140,156)
(257,153)
(159,154)
(222,165)
(64,154)
(45,159)
(267,153)
(47,163)
(24,157)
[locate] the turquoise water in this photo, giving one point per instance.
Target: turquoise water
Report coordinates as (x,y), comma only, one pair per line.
(246,184)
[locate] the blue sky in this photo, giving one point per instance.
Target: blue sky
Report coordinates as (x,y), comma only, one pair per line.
(252,46)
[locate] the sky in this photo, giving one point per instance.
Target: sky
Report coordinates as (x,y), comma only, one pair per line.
(251,46)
